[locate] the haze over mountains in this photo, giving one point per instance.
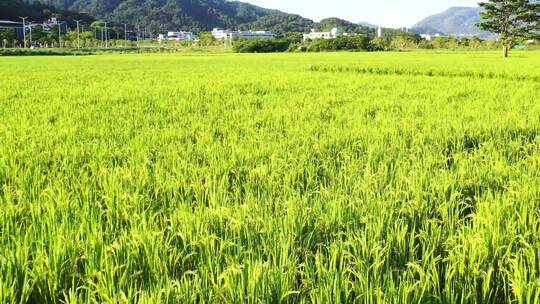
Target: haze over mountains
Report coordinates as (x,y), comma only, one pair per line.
(203,15)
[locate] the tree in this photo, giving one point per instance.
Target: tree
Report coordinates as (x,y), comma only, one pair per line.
(294,37)
(342,43)
(261,46)
(206,39)
(405,41)
(512,20)
(7,36)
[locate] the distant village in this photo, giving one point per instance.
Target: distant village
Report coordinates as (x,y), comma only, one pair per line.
(25,27)
(103,35)
(220,34)
(216,33)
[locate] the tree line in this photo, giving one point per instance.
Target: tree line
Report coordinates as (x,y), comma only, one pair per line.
(291,42)
(63,35)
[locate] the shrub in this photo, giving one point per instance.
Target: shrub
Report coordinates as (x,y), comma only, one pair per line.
(261,46)
(40,52)
(378,44)
(343,43)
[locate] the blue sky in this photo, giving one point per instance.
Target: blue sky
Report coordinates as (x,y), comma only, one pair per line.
(390,13)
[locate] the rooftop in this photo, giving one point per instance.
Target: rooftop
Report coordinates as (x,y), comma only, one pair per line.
(9,22)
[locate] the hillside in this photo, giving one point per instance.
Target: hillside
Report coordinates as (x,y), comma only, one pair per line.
(344,25)
(455,21)
(12,9)
(198,15)
(162,15)
(281,23)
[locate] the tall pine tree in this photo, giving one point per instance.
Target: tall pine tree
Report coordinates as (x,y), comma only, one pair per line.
(512,20)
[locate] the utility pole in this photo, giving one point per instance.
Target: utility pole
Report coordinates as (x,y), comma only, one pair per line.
(138,34)
(106,37)
(59,34)
(78,36)
(30,27)
(125,34)
(24,29)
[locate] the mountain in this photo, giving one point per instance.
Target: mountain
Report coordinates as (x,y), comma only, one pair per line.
(281,23)
(12,9)
(192,15)
(344,25)
(455,21)
(197,15)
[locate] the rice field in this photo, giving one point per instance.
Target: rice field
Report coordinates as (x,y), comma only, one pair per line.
(225,178)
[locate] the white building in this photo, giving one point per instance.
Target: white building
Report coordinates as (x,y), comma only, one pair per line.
(177,36)
(429,37)
(50,22)
(334,33)
(380,32)
(224,34)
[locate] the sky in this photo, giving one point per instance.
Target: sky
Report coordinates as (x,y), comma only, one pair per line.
(388,13)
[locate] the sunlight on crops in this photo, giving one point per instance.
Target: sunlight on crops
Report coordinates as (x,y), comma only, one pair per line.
(224,178)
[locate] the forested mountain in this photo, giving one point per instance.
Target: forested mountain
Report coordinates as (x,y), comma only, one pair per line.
(344,25)
(12,9)
(281,23)
(162,15)
(197,15)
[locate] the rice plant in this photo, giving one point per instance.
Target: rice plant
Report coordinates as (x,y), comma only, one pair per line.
(228,178)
